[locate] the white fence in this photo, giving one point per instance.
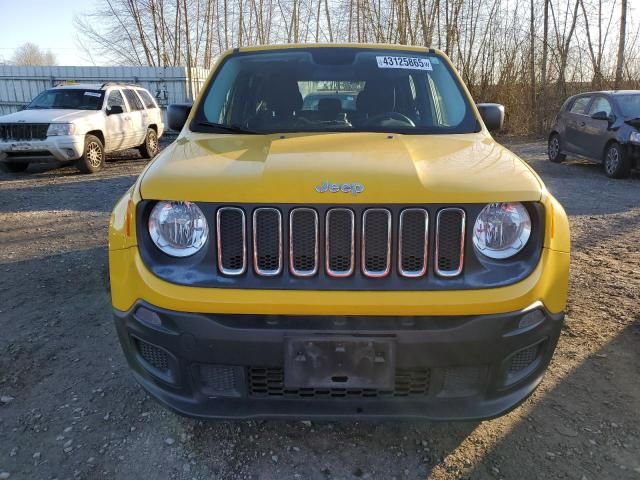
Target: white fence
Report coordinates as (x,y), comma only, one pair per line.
(19,85)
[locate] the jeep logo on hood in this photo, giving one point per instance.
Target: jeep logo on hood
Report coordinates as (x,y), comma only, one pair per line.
(353,188)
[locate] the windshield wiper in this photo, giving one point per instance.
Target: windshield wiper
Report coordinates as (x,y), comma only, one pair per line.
(229,128)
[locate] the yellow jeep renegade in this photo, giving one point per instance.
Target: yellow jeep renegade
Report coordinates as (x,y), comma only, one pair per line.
(336,233)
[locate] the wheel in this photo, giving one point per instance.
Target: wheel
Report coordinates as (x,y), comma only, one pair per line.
(616,163)
(554,149)
(15,167)
(149,148)
(93,158)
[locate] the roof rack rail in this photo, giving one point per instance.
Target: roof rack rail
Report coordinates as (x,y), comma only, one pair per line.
(119,84)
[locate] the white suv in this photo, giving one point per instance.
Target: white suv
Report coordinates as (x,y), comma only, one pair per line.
(80,123)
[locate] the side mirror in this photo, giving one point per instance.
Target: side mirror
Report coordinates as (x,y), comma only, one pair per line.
(115,110)
(22,107)
(603,116)
(492,115)
(177,115)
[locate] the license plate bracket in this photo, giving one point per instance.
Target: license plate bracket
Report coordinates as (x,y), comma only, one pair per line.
(339,362)
(21,147)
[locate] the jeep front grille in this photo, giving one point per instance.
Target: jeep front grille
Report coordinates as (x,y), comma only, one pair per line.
(348,242)
(23,131)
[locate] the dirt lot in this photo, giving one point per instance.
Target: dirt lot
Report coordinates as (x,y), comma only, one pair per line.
(70,409)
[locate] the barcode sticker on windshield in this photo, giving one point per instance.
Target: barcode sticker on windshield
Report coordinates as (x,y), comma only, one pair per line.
(92,94)
(411,63)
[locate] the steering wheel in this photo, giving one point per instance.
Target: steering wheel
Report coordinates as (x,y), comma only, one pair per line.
(391,116)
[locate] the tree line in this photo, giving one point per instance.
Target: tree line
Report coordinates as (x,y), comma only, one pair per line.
(527,54)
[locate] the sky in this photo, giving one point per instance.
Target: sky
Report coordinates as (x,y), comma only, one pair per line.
(47,23)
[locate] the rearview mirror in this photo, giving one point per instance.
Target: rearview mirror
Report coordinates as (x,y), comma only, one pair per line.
(603,116)
(492,115)
(177,115)
(115,110)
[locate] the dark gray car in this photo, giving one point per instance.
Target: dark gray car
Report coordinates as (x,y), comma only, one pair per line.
(603,126)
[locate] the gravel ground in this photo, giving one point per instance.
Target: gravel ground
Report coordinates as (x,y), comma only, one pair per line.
(70,409)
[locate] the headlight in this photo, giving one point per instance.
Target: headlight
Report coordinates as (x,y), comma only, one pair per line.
(502,230)
(61,129)
(178,229)
(635,137)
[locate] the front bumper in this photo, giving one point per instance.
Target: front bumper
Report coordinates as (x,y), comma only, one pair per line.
(231,366)
(59,147)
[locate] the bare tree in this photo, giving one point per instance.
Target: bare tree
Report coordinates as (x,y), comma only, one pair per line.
(623,31)
(31,54)
(528,55)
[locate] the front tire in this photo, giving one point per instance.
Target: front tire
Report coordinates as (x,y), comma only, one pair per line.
(616,163)
(149,148)
(553,149)
(92,159)
(15,167)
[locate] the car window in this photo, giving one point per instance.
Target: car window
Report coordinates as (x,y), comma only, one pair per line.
(133,100)
(115,99)
(580,105)
(147,99)
(629,103)
(68,99)
(327,89)
(600,104)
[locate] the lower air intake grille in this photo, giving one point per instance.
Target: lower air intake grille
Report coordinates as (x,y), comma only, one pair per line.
(524,358)
(269,382)
(154,356)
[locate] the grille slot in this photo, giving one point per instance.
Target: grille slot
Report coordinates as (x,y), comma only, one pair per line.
(232,240)
(217,379)
(303,242)
(340,242)
(269,382)
(267,241)
(154,356)
(413,242)
(524,358)
(376,242)
(450,229)
(23,131)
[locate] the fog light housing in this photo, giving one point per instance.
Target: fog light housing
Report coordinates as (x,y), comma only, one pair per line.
(148,316)
(531,319)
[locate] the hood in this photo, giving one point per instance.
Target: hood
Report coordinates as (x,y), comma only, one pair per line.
(44,115)
(633,121)
(391,168)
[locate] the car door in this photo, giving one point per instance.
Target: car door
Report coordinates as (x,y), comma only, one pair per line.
(597,131)
(151,112)
(138,126)
(576,116)
(117,125)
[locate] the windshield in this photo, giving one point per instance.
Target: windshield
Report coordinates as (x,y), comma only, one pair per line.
(629,104)
(335,89)
(68,99)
